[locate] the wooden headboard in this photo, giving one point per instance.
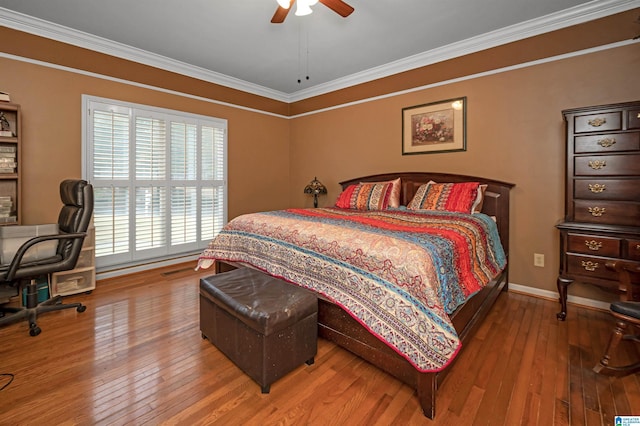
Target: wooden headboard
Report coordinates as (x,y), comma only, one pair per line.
(496,197)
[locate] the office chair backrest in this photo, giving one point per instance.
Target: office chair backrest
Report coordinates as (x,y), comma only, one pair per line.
(75,216)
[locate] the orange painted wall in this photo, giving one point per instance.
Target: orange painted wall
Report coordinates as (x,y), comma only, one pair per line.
(50,99)
(515,133)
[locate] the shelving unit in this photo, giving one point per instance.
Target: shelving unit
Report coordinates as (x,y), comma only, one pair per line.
(10,170)
(81,279)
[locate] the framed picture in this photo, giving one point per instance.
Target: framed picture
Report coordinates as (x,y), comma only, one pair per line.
(436,127)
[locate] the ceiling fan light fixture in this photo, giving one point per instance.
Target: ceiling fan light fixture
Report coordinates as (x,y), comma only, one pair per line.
(302,8)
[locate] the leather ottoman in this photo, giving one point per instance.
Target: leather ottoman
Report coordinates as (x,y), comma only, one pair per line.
(266,326)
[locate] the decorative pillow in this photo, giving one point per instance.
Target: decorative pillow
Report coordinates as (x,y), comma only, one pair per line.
(453,197)
(394,199)
(365,196)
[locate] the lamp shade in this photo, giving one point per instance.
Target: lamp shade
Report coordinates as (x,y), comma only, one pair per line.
(315,188)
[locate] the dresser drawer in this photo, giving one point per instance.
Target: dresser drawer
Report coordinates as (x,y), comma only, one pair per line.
(633,249)
(607,212)
(607,189)
(591,266)
(599,122)
(608,165)
(634,119)
(613,142)
(593,244)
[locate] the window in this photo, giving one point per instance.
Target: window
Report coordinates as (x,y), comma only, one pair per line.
(159,179)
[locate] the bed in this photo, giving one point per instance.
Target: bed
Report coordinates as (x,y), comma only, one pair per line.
(348,323)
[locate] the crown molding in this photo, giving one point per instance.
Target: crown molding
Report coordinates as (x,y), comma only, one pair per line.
(579,14)
(29,24)
(563,19)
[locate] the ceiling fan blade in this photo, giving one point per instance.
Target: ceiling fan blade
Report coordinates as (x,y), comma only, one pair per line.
(280,15)
(339,7)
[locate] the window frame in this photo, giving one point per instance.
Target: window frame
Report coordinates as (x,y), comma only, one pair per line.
(218,182)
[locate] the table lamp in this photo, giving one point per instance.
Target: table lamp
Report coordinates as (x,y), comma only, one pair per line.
(315,188)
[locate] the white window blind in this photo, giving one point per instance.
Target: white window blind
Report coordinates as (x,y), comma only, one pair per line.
(159,180)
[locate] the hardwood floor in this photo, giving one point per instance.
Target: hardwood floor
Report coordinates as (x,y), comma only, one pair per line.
(136,356)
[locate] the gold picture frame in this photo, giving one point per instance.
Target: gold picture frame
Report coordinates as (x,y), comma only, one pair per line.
(435,127)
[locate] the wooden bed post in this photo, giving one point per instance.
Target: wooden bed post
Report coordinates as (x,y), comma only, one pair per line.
(427,386)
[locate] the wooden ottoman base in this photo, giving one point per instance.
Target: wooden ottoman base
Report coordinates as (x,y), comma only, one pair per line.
(266,326)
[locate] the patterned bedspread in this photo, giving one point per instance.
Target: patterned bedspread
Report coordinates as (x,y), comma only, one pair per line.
(398,272)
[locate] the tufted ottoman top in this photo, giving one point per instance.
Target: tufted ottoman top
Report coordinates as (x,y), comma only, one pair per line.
(262,302)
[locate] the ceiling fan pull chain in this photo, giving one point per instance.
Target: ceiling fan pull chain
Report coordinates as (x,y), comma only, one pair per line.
(299,52)
(307,29)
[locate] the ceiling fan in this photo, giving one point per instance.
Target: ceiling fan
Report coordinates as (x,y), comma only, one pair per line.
(303,8)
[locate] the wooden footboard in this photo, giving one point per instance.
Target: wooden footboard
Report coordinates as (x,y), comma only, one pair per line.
(338,326)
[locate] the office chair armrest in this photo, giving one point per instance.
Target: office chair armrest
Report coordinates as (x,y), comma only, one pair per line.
(17,259)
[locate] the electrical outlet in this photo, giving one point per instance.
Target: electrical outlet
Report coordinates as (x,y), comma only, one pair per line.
(538,260)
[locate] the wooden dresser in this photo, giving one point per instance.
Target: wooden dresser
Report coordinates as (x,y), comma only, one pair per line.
(602,205)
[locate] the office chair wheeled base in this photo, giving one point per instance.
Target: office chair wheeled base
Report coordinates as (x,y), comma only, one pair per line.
(30,312)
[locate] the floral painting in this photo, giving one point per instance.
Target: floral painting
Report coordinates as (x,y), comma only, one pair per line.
(434,127)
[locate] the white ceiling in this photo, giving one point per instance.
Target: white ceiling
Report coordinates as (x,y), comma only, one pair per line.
(232,42)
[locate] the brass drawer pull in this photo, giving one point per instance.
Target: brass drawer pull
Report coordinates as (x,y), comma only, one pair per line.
(597,164)
(597,211)
(597,122)
(593,245)
(607,142)
(597,188)
(637,246)
(589,265)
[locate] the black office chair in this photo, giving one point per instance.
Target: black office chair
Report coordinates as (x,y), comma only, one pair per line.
(627,315)
(73,222)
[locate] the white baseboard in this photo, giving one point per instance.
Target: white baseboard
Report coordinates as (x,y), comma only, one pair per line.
(552,295)
(516,288)
(130,269)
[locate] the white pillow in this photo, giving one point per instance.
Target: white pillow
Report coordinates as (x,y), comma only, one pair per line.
(477,204)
